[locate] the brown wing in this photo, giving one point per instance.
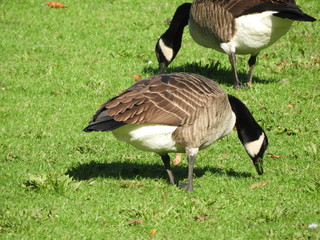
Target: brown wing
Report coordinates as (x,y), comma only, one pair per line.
(213,17)
(164,99)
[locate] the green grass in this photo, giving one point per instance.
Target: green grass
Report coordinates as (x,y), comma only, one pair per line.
(56,182)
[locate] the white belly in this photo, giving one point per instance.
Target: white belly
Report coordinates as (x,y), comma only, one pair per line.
(203,37)
(151,138)
(254,33)
(258,31)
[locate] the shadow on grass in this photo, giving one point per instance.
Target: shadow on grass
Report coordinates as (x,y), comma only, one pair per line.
(214,71)
(125,170)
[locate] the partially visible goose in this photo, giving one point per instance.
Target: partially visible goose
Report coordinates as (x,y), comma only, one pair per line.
(179,112)
(230,26)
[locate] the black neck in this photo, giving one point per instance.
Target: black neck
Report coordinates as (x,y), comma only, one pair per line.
(251,135)
(173,36)
(247,127)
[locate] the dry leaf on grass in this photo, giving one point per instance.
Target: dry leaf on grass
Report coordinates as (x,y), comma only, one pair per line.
(153,232)
(131,184)
(282,63)
(201,218)
(290,105)
(262,107)
(163,195)
(56,5)
(135,221)
(136,77)
(259,184)
(177,159)
(274,156)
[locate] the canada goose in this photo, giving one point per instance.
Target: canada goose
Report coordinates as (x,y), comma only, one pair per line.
(179,112)
(230,26)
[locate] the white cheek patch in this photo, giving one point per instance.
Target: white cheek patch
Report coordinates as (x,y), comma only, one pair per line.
(254,147)
(167,51)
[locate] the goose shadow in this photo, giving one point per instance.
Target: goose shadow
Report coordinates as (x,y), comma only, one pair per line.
(213,71)
(126,170)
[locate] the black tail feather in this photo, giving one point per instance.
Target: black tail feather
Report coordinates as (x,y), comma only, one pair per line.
(103,126)
(101,121)
(301,16)
(289,11)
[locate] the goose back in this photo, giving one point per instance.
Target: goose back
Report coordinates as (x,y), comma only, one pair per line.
(197,106)
(164,99)
(240,7)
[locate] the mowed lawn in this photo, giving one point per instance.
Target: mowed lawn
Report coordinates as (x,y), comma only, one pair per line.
(56,182)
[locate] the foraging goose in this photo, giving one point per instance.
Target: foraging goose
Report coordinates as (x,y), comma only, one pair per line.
(179,112)
(230,26)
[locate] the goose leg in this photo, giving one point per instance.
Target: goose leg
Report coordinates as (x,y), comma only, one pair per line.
(191,155)
(251,62)
(232,60)
(166,162)
(191,160)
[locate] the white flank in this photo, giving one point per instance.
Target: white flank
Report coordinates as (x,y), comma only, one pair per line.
(228,48)
(167,51)
(202,37)
(148,137)
(192,151)
(258,31)
(254,147)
